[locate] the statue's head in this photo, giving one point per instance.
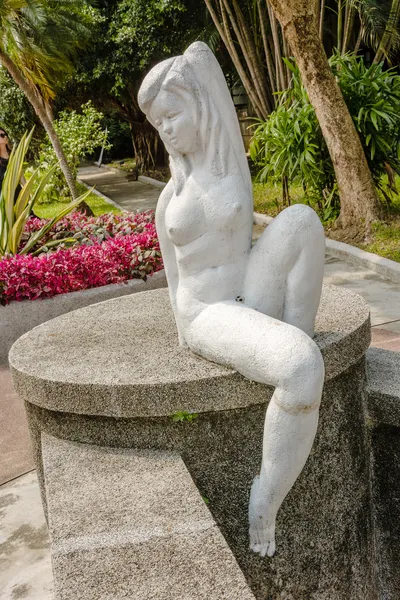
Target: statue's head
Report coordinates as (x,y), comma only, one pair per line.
(186,98)
(167,96)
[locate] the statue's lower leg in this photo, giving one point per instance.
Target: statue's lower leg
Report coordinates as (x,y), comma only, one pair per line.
(288,439)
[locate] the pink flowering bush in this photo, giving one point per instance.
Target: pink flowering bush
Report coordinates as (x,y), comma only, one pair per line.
(111,249)
(91,230)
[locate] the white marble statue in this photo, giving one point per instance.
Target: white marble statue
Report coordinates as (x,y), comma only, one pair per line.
(251,309)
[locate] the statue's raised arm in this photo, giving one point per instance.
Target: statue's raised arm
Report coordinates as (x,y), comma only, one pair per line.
(252,309)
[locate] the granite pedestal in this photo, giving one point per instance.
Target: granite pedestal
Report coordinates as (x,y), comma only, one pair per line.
(113,375)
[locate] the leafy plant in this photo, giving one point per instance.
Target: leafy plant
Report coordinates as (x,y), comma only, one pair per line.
(16,204)
(289,146)
(79,134)
(130,250)
(183,415)
(372,95)
(17,115)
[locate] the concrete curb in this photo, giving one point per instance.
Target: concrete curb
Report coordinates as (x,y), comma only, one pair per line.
(151,181)
(108,168)
(259,219)
(383,266)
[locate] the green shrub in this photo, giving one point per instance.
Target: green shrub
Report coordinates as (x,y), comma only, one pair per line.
(372,96)
(289,147)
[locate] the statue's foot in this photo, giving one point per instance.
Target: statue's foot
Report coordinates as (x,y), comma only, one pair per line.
(261,522)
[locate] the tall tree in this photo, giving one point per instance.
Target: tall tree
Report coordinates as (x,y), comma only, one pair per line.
(38,38)
(359,201)
(255,44)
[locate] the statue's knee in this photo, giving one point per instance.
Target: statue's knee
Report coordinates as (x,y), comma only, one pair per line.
(304,380)
(303,219)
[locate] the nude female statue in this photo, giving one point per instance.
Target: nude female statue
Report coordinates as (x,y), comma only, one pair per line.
(252,309)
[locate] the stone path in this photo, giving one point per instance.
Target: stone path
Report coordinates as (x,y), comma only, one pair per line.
(382,295)
(25,570)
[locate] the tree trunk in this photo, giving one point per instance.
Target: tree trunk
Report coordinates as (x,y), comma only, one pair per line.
(252,59)
(348,26)
(321,20)
(389,34)
(340,11)
(277,48)
(149,153)
(359,200)
(42,112)
(359,40)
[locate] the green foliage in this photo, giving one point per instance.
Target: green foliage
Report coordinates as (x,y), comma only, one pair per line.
(130,37)
(372,96)
(98,205)
(385,239)
(183,415)
(16,114)
(146,25)
(15,206)
(289,147)
(79,134)
(41,37)
(119,136)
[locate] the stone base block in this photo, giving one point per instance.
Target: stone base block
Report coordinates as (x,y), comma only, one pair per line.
(131,524)
(124,376)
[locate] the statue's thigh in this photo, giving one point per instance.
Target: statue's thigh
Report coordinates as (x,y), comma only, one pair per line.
(256,345)
(294,236)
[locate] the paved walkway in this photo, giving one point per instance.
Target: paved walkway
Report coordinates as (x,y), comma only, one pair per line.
(130,195)
(25,570)
(15,446)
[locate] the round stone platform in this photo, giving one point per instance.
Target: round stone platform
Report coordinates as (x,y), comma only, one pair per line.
(113,375)
(121,358)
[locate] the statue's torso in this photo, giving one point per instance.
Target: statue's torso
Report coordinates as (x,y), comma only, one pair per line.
(210,228)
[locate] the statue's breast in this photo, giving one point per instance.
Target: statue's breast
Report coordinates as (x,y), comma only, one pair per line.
(184,219)
(196,212)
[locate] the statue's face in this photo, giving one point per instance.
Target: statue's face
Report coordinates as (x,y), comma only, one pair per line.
(174,121)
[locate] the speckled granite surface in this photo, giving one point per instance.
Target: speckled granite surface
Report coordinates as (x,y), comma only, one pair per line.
(131,524)
(121,358)
(324,527)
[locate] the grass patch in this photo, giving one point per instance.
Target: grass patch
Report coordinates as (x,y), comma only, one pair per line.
(99,206)
(385,239)
(268,198)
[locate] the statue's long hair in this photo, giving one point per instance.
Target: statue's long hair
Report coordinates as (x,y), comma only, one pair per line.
(196,77)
